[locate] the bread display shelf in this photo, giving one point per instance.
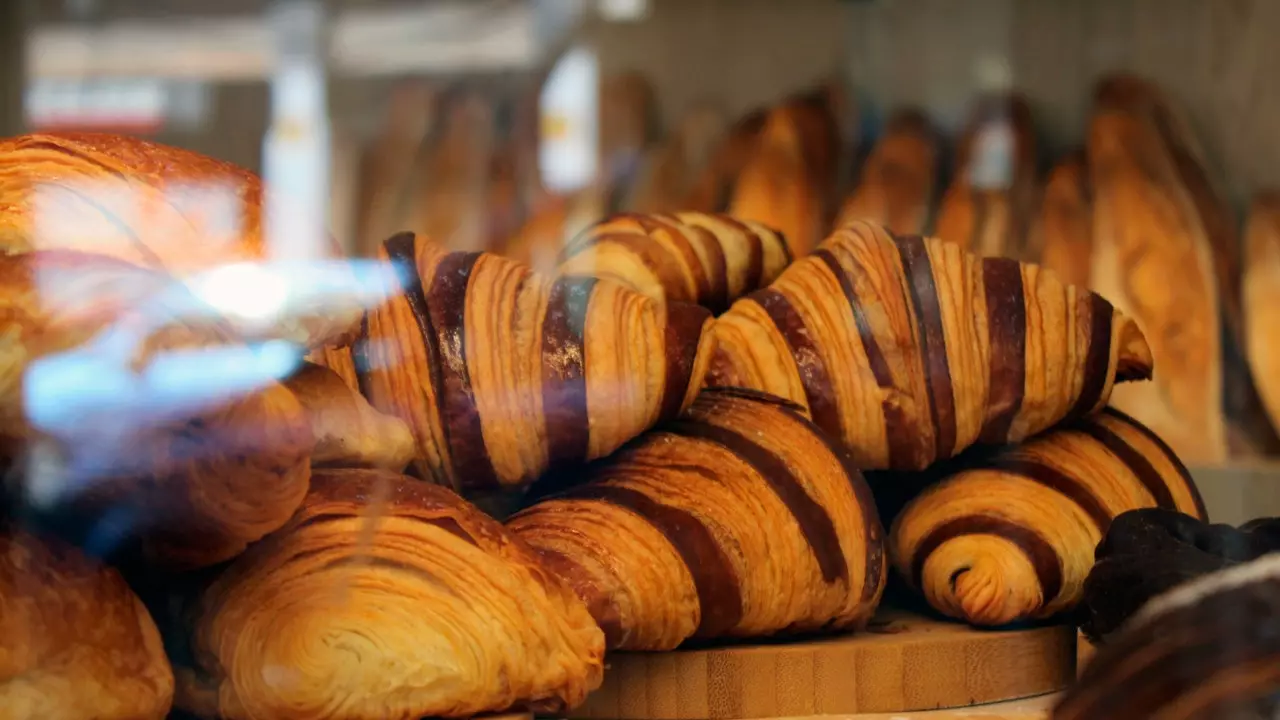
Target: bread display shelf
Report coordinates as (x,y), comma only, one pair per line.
(905,662)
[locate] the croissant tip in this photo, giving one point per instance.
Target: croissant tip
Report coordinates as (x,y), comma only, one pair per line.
(1134,361)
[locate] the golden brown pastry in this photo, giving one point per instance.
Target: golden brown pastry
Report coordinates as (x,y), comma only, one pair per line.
(78,643)
(989,206)
(1066,222)
(776,187)
(910,350)
(209,471)
(738,519)
(701,258)
(1012,536)
(1262,298)
(386,598)
(713,189)
(148,204)
(897,183)
(1206,650)
(669,170)
(1153,259)
(502,374)
(348,432)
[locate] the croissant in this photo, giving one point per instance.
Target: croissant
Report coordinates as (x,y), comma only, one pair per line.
(738,519)
(1012,537)
(348,432)
(1261,296)
(1066,222)
(910,350)
(776,186)
(502,374)
(669,170)
(208,468)
(391,599)
(77,642)
(150,205)
(1206,649)
(713,188)
(897,183)
(706,259)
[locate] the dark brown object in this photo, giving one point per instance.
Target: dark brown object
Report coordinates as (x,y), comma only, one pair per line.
(910,350)
(681,533)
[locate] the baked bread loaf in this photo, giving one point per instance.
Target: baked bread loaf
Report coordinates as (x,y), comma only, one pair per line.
(1065,225)
(1206,649)
(897,184)
(989,206)
(502,374)
(1153,258)
(77,642)
(386,598)
(1011,537)
(209,467)
(700,258)
(348,432)
(777,187)
(1262,298)
(909,350)
(1151,551)
(739,519)
(151,205)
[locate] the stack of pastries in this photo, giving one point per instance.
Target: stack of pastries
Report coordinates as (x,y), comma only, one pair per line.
(470,491)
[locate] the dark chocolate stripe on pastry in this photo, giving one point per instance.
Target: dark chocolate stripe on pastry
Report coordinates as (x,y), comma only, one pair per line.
(452,527)
(602,606)
(401,252)
(754,396)
(918,269)
(361,361)
(650,254)
(1097,359)
(714,578)
(680,345)
(818,390)
(447,301)
(689,257)
(564,379)
(1078,491)
(1007,339)
(1159,442)
(755,250)
(717,297)
(1132,458)
(1047,564)
(815,524)
(896,425)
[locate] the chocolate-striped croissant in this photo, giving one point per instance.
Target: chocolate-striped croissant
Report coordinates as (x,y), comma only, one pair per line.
(701,258)
(388,598)
(1012,537)
(911,350)
(502,374)
(739,519)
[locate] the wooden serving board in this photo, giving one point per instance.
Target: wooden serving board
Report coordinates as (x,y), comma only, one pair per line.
(903,662)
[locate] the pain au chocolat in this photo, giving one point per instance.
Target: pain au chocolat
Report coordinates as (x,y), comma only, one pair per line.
(151,205)
(208,469)
(1012,537)
(387,598)
(77,643)
(896,187)
(502,374)
(909,350)
(700,258)
(1208,649)
(739,519)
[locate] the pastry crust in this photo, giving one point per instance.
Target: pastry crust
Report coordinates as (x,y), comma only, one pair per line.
(387,598)
(348,432)
(701,258)
(739,519)
(1012,537)
(897,183)
(502,374)
(910,350)
(147,204)
(1066,222)
(777,187)
(1262,298)
(77,642)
